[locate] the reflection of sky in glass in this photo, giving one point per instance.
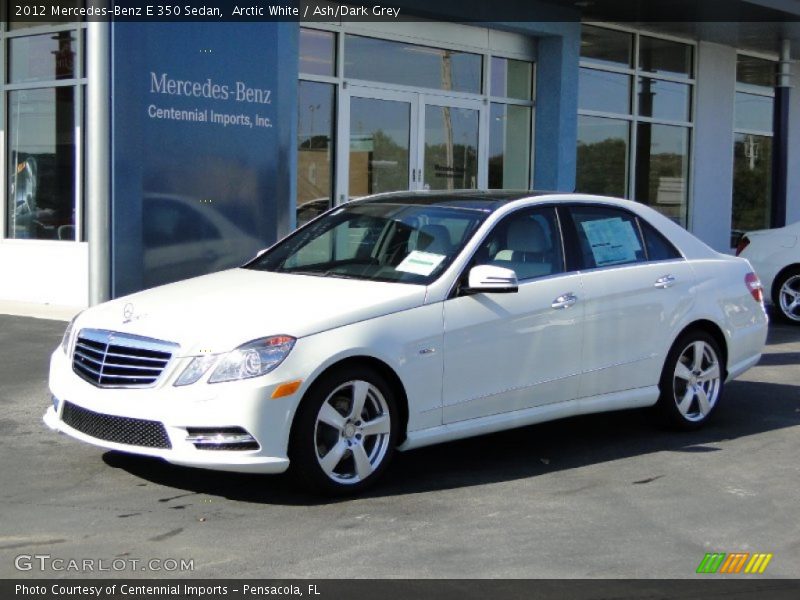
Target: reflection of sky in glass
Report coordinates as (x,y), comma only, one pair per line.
(406,64)
(316,52)
(603,91)
(42,57)
(670,100)
(754,112)
(391,118)
(315,107)
(667,139)
(463,120)
(593,130)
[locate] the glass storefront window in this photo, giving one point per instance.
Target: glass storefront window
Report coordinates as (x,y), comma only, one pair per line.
(412,65)
(42,57)
(315,147)
(512,78)
(509,146)
(667,100)
(606,46)
(754,103)
(753,112)
(317,52)
(657,114)
(604,91)
(662,168)
(603,151)
(665,57)
(41,164)
(752,184)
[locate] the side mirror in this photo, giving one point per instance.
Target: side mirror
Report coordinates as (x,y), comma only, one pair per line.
(489,279)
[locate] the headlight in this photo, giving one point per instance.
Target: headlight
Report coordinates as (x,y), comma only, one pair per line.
(66,341)
(252,359)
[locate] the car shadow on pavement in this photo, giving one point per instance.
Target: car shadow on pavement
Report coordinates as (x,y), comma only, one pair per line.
(748,408)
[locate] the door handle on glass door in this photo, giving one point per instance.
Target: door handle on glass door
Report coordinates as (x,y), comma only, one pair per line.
(564,301)
(665,282)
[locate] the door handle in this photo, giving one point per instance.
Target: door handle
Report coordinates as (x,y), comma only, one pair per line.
(564,301)
(665,282)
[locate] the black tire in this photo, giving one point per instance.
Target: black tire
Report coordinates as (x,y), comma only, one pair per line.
(682,388)
(314,439)
(792,277)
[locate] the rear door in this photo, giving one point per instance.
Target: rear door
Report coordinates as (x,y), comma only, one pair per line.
(636,289)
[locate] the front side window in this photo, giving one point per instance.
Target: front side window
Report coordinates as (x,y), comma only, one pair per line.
(528,242)
(378,242)
(607,236)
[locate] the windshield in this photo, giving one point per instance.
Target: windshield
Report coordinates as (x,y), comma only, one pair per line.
(378,242)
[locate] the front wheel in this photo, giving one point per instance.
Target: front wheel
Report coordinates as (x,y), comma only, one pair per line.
(692,381)
(786,296)
(345,432)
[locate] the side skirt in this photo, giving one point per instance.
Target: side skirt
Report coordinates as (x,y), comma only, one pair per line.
(627,399)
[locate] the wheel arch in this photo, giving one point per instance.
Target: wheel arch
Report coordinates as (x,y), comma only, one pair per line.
(382,369)
(777,279)
(715,331)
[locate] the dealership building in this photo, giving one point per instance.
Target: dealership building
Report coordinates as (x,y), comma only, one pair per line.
(138,152)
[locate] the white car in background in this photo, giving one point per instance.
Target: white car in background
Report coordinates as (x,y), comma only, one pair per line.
(775,256)
(404,320)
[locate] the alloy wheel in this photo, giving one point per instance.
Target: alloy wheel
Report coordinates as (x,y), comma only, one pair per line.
(789,298)
(352,432)
(697,381)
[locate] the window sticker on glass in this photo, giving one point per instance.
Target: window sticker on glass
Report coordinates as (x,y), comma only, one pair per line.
(420,263)
(612,241)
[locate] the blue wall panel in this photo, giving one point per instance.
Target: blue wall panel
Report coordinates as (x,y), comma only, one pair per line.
(203,164)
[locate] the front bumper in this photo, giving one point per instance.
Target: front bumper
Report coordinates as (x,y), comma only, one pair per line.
(182,410)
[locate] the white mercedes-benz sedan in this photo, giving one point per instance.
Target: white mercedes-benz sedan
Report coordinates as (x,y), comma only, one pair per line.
(775,255)
(404,320)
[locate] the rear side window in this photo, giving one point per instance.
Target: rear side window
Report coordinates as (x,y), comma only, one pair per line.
(658,247)
(607,236)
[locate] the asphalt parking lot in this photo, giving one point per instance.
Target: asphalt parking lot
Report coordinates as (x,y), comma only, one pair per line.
(602,496)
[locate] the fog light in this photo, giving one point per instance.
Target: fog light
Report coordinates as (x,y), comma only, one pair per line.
(55,404)
(221,438)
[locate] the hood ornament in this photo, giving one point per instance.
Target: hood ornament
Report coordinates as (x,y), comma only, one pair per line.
(127,313)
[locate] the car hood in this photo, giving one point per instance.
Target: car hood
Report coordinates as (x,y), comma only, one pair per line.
(218,312)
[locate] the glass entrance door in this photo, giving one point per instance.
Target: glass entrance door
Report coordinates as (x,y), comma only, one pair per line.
(380,142)
(398,141)
(450,147)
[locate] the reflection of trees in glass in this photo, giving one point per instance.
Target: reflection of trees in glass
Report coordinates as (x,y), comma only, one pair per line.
(662,166)
(601,167)
(752,175)
(388,164)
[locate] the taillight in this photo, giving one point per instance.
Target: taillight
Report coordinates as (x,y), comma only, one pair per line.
(753,284)
(744,242)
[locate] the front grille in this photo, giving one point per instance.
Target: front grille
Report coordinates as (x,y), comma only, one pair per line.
(121,430)
(112,359)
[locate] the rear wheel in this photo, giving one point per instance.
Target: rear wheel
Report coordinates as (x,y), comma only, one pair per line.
(692,381)
(345,432)
(786,296)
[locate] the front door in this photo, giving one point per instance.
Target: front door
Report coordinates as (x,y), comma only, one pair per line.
(507,352)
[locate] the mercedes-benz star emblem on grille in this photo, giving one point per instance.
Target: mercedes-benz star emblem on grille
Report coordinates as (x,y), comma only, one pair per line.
(127,312)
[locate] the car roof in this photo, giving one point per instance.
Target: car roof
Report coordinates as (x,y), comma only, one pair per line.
(482,200)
